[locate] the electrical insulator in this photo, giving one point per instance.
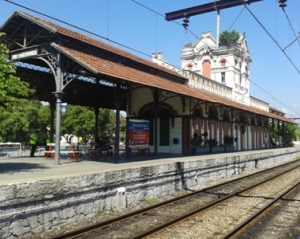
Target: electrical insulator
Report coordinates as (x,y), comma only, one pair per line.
(185,23)
(282,3)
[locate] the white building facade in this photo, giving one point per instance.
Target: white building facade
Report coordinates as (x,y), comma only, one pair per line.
(224,71)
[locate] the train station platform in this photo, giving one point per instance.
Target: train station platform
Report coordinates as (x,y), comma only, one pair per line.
(25,168)
(38,196)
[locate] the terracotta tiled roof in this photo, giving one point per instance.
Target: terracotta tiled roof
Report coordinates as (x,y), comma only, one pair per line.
(276,110)
(89,40)
(130,74)
(120,71)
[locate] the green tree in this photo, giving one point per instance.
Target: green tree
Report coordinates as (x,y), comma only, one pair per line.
(10,85)
(298,133)
(188,45)
(289,134)
(107,121)
(228,38)
(79,121)
(18,120)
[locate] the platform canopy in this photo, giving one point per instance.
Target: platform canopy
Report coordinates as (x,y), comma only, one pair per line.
(94,73)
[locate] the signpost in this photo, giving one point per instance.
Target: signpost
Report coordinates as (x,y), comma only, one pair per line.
(139,132)
(24,54)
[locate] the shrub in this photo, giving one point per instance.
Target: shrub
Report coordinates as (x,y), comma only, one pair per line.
(228,141)
(228,38)
(196,140)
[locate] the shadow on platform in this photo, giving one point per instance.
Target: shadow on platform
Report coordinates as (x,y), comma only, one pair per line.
(17,167)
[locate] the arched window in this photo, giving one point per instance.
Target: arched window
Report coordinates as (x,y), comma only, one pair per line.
(223,62)
(198,112)
(206,68)
(213,114)
(226,117)
(164,127)
(165,113)
(189,66)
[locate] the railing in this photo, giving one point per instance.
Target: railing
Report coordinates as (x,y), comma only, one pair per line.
(259,104)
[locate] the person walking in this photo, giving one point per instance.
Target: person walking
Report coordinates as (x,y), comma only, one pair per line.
(33,141)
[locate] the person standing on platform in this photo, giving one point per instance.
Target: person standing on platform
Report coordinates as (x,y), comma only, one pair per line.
(33,141)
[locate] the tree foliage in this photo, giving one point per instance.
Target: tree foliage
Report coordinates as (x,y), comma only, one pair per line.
(188,45)
(10,85)
(23,116)
(80,122)
(228,38)
(18,121)
(288,134)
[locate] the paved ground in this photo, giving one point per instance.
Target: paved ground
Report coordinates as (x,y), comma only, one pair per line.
(27,169)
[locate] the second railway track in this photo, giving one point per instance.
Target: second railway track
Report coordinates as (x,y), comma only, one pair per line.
(134,225)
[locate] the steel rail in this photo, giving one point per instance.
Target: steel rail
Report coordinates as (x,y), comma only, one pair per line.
(126,217)
(178,220)
(257,214)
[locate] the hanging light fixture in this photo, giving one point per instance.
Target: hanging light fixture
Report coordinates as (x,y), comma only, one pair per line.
(282,3)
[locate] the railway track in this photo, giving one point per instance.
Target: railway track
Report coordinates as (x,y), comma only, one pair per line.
(260,213)
(177,210)
(234,208)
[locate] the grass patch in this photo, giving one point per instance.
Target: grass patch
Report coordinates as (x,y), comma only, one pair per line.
(110,213)
(180,193)
(151,201)
(180,207)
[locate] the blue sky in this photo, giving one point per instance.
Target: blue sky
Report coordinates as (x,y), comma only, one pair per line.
(273,77)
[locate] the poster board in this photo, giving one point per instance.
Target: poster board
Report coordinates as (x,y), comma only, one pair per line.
(139,132)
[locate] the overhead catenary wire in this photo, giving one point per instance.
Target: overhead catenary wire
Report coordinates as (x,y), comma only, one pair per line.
(274,98)
(79,28)
(92,33)
(130,48)
(269,34)
(236,18)
(290,23)
(188,30)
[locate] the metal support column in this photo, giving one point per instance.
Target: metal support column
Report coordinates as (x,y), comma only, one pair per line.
(117,130)
(59,96)
(156,104)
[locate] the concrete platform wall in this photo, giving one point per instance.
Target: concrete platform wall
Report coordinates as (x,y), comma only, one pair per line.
(37,206)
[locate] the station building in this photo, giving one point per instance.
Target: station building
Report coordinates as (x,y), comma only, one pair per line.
(223,71)
(209,94)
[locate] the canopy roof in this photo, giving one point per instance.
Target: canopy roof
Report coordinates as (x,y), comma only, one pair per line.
(93,68)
